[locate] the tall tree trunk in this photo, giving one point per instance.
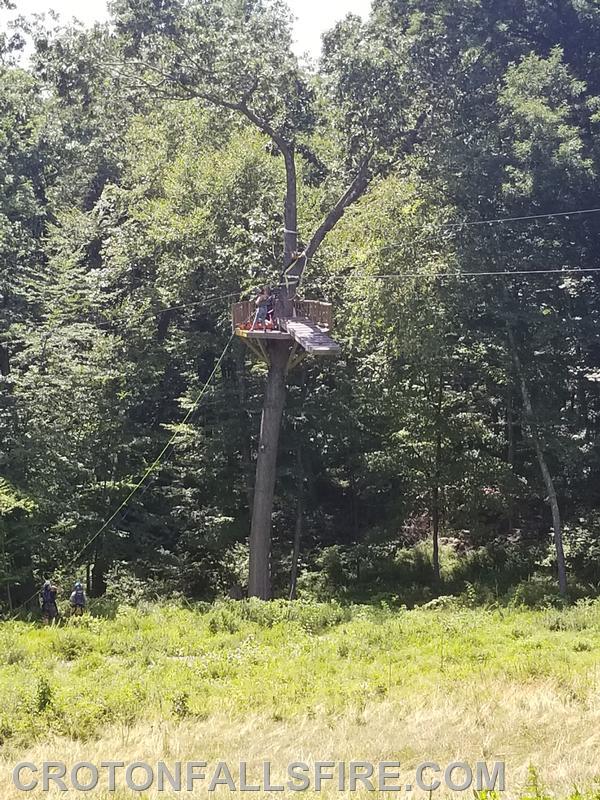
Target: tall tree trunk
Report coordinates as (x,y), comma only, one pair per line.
(4,360)
(510,443)
(299,523)
(290,212)
(547,477)
(6,568)
(259,583)
(354,518)
(510,428)
(98,587)
(436,482)
(246,444)
(436,535)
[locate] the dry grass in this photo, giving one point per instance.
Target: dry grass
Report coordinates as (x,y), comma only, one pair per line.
(286,683)
(539,723)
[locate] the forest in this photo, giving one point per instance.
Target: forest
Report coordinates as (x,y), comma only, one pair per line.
(438,166)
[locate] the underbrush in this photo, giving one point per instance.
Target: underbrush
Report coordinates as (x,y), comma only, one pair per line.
(494,574)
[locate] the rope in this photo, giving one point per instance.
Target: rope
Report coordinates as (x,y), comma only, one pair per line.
(144,477)
(296,278)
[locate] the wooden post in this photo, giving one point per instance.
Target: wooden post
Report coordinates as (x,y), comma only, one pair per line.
(259,583)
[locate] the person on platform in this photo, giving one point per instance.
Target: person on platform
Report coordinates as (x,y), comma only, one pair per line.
(262,303)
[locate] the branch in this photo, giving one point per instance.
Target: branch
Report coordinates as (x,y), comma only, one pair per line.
(412,136)
(353,193)
(183,92)
(356,189)
(312,159)
(263,125)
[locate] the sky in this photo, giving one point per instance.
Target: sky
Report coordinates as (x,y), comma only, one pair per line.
(312,16)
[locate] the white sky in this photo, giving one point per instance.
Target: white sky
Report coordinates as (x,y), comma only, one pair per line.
(313,16)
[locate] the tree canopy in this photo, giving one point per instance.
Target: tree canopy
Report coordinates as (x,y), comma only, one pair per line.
(437,166)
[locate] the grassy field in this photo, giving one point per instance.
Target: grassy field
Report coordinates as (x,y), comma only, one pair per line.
(287,682)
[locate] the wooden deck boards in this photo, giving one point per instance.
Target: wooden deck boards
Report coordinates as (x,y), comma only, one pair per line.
(311,337)
(260,334)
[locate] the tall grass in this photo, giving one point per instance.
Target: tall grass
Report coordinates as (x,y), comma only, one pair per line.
(435,683)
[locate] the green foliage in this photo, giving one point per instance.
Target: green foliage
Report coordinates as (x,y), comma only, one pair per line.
(138,201)
(181,705)
(242,657)
(534,789)
(43,695)
(582,546)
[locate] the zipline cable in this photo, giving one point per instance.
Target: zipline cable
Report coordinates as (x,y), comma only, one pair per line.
(456,227)
(159,457)
(366,276)
(450,227)
(502,220)
(144,477)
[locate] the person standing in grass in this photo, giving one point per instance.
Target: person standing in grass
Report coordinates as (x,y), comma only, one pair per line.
(50,612)
(78,600)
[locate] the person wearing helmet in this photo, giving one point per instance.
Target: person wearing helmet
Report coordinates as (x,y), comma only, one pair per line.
(48,603)
(78,600)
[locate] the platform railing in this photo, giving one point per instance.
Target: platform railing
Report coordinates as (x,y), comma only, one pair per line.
(317,311)
(241,312)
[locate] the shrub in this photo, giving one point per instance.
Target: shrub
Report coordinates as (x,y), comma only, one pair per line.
(43,694)
(6,731)
(444,601)
(70,643)
(11,651)
(537,592)
(222,620)
(13,654)
(582,547)
(585,614)
(180,705)
(312,617)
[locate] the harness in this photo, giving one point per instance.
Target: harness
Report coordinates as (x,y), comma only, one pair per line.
(48,596)
(79,598)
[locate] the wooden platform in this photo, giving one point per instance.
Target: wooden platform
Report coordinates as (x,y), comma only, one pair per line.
(259,333)
(312,338)
(307,328)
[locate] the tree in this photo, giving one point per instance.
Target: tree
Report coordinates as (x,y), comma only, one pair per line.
(15,544)
(141,190)
(237,56)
